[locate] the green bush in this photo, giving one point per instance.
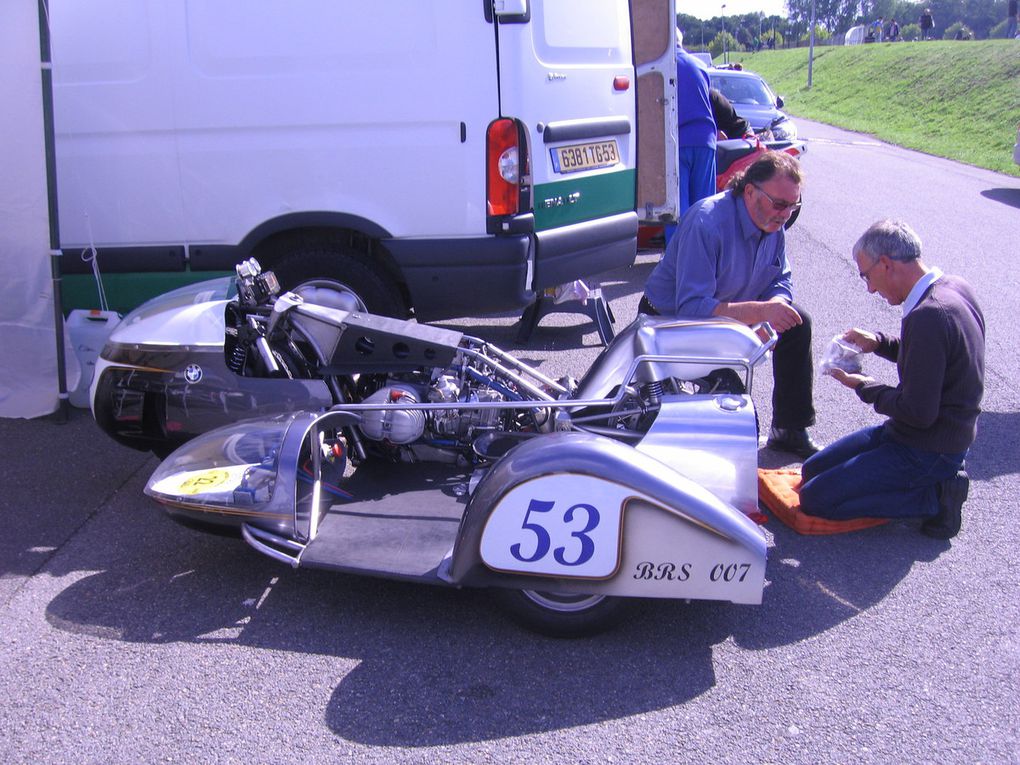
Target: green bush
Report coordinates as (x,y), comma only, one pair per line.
(959,28)
(821,35)
(999,30)
(723,40)
(910,32)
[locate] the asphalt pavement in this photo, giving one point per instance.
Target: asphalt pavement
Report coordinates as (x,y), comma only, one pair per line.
(126,638)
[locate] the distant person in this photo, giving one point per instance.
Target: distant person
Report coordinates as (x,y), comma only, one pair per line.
(1011,20)
(894,30)
(927,24)
(772,40)
(695,130)
(728,259)
(913,464)
(877,27)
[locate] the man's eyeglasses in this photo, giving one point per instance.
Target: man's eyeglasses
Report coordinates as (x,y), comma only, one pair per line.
(780,205)
(866,273)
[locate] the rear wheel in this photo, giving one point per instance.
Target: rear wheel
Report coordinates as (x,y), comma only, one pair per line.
(561,614)
(344,269)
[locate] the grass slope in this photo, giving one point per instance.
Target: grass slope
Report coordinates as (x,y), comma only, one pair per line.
(959,100)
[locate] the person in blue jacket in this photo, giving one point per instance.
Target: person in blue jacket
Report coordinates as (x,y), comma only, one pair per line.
(728,259)
(696,130)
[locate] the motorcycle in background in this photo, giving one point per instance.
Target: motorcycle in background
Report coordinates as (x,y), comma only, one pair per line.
(732,156)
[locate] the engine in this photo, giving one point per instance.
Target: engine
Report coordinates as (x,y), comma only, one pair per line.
(448,428)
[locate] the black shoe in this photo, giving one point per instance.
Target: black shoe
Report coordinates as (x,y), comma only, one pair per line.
(792,440)
(952,493)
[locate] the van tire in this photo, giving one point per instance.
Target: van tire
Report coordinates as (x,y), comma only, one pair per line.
(348,269)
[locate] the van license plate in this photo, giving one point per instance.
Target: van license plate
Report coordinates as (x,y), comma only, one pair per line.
(585,156)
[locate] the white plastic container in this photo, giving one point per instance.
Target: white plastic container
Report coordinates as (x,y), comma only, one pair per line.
(88,330)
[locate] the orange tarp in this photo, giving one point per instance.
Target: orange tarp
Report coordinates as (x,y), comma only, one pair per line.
(777,490)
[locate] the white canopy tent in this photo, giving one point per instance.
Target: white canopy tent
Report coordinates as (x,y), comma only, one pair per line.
(28,371)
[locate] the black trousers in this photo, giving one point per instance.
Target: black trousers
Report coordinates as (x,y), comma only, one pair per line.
(792,395)
(792,369)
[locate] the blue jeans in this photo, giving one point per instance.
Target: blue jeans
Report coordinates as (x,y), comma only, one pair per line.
(697,180)
(868,475)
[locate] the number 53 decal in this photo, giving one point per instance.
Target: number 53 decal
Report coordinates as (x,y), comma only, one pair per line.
(562,525)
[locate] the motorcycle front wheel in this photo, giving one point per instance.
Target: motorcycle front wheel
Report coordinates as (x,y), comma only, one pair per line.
(561,614)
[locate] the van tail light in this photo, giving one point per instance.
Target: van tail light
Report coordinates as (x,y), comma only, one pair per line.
(507,169)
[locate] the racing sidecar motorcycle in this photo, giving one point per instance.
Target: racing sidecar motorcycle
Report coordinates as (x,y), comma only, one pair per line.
(444,459)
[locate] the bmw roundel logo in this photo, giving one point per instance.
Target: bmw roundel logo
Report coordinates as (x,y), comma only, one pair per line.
(193,373)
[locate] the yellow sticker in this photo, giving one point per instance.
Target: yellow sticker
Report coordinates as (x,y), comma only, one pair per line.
(206,480)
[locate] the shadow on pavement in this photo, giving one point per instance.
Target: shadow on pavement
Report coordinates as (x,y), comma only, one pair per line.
(1007,196)
(438,666)
(996,450)
(56,476)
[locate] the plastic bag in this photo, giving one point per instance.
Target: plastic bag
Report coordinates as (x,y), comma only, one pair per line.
(575,290)
(840,353)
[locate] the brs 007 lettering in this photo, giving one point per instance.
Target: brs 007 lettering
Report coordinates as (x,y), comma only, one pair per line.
(681,572)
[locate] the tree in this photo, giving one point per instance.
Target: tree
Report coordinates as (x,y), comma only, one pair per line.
(716,47)
(833,15)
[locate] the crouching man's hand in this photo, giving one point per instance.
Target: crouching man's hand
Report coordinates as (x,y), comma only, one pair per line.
(849,380)
(866,341)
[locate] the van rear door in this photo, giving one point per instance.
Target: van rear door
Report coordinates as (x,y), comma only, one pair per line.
(566,73)
(658,188)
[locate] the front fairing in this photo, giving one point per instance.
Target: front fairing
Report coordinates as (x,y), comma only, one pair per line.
(212,290)
(246,472)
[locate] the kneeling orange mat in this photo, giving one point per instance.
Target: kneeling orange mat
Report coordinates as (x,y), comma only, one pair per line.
(777,489)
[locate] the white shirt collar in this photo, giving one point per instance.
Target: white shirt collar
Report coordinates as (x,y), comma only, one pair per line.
(922,285)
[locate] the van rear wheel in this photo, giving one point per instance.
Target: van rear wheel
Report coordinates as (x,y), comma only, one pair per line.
(344,269)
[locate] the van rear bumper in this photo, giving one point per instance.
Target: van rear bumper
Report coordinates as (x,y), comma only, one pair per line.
(448,278)
(582,250)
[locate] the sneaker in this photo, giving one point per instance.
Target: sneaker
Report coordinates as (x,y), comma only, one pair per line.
(951,493)
(792,440)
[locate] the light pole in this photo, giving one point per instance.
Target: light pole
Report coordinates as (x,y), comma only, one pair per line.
(811,46)
(725,53)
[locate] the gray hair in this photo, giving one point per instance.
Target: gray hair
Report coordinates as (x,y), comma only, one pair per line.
(891,238)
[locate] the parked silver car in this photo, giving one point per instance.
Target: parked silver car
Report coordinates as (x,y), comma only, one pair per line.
(755,101)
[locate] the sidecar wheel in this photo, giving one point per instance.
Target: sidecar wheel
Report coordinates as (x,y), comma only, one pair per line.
(561,614)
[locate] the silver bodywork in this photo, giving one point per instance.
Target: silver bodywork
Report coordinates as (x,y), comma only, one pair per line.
(638,481)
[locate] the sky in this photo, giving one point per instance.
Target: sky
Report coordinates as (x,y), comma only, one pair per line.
(707,9)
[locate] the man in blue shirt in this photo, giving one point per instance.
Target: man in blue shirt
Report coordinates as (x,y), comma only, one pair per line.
(728,258)
(695,130)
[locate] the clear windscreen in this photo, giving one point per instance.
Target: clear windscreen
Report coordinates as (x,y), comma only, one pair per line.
(235,466)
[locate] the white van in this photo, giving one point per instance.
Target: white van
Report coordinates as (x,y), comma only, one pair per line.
(446,157)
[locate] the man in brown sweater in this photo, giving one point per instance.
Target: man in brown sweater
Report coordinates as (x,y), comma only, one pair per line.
(913,464)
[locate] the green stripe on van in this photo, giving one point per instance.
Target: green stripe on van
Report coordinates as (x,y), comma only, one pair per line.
(579,199)
(125,292)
